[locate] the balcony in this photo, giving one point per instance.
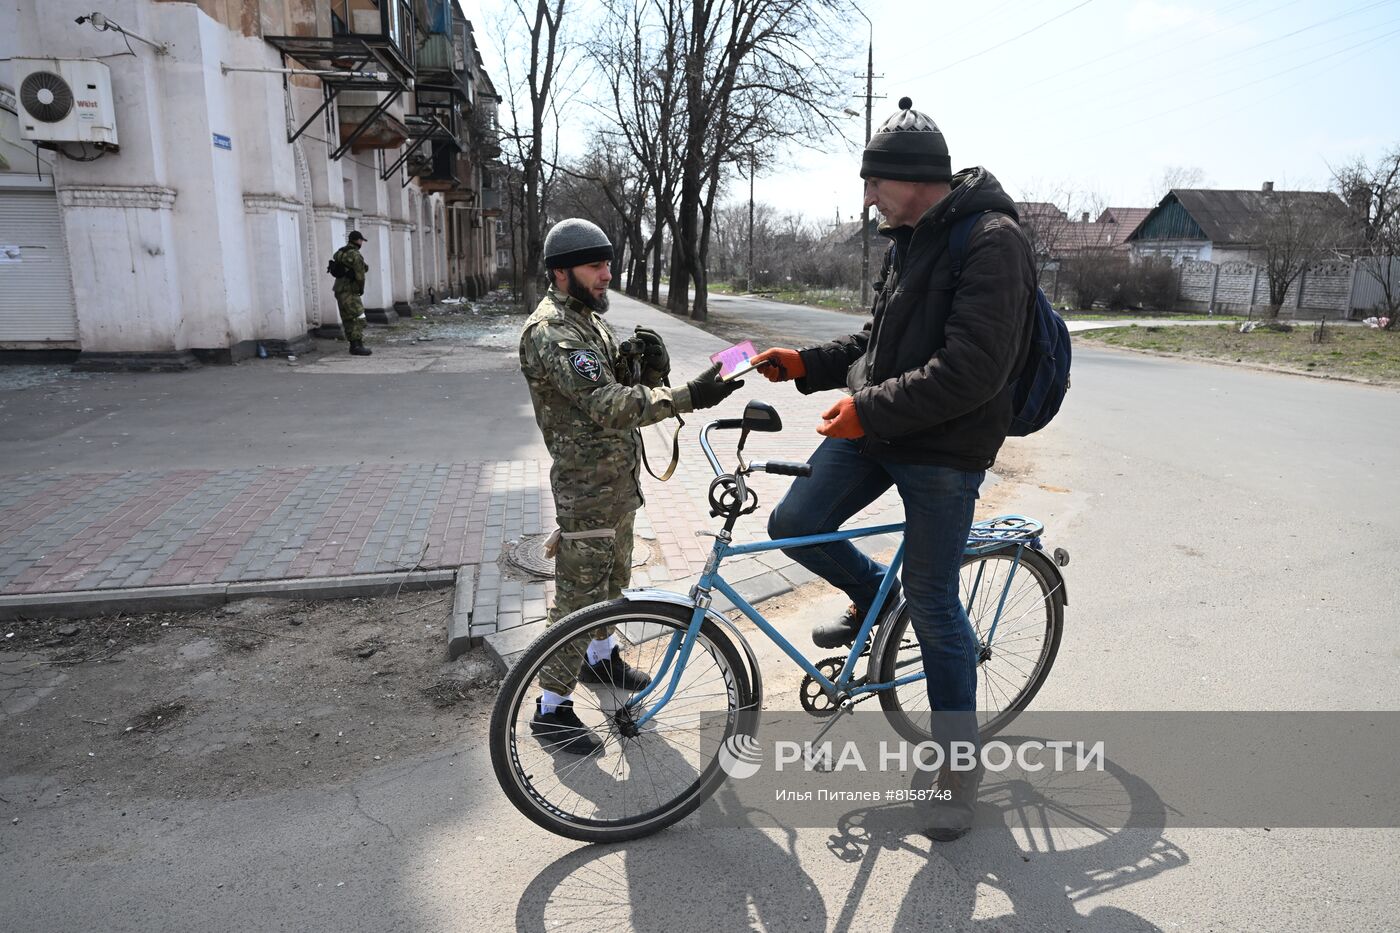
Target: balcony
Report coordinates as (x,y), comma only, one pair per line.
(491,202)
(369,58)
(388,25)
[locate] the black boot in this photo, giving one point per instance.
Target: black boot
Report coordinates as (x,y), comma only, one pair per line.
(358,348)
(614,672)
(563,731)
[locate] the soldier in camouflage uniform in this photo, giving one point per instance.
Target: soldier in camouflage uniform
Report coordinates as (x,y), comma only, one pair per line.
(348,289)
(589,410)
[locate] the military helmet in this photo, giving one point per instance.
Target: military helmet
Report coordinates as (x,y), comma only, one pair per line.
(575,242)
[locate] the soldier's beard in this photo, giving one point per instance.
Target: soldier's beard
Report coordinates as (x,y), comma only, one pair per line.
(577,290)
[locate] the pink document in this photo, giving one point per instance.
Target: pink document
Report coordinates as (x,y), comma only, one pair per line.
(735,360)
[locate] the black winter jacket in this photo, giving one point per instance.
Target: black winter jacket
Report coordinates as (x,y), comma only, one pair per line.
(930,370)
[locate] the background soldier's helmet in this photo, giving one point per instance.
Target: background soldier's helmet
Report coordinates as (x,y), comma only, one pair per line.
(575,242)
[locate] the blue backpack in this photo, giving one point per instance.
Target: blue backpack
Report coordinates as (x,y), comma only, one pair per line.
(1039,389)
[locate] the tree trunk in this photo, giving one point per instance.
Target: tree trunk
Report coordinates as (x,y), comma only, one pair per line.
(656,270)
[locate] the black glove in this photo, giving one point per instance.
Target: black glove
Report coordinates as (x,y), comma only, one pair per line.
(656,362)
(707,391)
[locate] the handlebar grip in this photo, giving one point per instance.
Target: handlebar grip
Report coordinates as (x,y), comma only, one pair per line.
(787,468)
(728,424)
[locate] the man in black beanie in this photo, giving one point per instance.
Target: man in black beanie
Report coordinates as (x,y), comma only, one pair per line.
(928,409)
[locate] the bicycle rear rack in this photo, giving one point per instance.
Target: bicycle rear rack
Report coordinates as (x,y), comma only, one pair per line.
(998,532)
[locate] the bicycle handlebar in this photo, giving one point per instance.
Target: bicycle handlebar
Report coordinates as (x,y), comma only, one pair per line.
(782,467)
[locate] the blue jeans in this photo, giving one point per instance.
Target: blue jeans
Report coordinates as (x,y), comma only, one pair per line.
(938,507)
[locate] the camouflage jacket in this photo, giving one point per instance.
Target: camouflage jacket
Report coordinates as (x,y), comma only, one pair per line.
(353,284)
(589,418)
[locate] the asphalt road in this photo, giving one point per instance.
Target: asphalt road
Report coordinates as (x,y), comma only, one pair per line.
(1230,534)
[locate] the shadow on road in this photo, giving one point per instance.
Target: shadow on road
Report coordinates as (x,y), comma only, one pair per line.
(1025,847)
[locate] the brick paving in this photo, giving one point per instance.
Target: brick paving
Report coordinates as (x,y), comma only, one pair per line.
(71,532)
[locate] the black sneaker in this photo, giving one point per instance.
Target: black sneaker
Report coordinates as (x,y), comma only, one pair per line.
(614,672)
(563,731)
(843,631)
(357,348)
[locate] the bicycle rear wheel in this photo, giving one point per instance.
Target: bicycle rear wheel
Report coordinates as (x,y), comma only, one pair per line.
(1012,662)
(641,779)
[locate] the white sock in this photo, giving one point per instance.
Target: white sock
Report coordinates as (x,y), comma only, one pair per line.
(600,648)
(549,700)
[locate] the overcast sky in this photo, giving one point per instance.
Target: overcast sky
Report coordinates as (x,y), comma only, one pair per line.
(1102,95)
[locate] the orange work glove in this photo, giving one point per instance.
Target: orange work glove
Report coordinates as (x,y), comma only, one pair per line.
(841,420)
(780,364)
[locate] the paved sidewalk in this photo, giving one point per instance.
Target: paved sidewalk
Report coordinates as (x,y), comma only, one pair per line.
(64,535)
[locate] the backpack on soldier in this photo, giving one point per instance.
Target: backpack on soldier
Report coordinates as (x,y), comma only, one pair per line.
(1039,388)
(339,269)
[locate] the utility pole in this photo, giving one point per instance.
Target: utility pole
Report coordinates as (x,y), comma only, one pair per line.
(865,209)
(753,169)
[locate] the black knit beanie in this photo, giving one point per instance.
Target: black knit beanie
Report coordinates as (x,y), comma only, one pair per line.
(907,147)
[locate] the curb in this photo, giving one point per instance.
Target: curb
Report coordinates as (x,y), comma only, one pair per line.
(459,636)
(86,603)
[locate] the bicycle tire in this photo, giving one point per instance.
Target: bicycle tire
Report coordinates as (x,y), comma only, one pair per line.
(514,752)
(1041,619)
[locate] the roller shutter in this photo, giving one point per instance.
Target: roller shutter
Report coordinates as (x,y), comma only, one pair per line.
(36,286)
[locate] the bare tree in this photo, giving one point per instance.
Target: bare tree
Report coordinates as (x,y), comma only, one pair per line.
(639,54)
(1053,217)
(757,74)
(1293,233)
(1372,192)
(1177,176)
(606,188)
(540,46)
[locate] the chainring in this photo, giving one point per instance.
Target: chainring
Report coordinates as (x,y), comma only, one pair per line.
(814,699)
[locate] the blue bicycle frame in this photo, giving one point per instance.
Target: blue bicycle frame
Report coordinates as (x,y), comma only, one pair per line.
(986,536)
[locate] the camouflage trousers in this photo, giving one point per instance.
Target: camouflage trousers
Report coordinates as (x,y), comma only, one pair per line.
(593,565)
(352,311)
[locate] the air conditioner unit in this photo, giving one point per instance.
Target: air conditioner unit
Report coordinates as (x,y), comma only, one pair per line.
(66,101)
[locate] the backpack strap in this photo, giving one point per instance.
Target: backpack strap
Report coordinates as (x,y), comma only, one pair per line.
(957,240)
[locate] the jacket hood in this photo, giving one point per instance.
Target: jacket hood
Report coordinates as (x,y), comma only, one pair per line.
(974,189)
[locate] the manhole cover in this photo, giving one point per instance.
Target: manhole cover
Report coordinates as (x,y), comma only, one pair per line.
(528,555)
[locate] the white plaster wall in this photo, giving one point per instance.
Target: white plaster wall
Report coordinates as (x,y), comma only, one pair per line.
(328,199)
(415,215)
(401,285)
(271,196)
(374,224)
(117,210)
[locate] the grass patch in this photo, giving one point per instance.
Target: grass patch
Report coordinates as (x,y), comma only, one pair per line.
(1163,315)
(1355,352)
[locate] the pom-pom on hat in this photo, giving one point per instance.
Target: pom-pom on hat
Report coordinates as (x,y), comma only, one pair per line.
(908,146)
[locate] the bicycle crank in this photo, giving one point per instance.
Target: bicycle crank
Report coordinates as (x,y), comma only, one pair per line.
(814,698)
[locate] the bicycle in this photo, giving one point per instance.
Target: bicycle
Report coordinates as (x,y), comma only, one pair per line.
(661,749)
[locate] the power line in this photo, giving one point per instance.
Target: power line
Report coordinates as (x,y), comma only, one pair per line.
(1157,37)
(1139,90)
(958,30)
(992,48)
(1241,87)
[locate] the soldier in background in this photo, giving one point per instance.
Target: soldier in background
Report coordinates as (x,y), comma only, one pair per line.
(589,414)
(348,289)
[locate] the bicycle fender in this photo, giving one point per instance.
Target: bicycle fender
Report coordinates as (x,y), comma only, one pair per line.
(882,631)
(651,594)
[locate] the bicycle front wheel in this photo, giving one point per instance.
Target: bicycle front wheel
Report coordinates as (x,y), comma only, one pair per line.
(639,779)
(1013,659)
